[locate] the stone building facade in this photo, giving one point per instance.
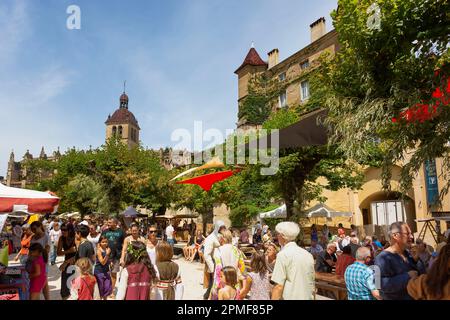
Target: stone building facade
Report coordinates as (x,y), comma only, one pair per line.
(289,70)
(372,208)
(18,174)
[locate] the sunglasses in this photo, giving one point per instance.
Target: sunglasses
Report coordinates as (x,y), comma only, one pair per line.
(152,231)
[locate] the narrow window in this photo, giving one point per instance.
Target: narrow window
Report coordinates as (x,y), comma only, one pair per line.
(304,90)
(282,100)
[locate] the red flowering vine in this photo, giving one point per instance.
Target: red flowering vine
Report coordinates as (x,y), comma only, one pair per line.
(421,112)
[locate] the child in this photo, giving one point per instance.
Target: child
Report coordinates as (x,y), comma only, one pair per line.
(137,276)
(258,281)
(85,286)
(169,285)
(228,275)
(37,260)
(101,270)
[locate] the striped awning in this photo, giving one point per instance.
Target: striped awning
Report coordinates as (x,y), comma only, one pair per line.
(16,199)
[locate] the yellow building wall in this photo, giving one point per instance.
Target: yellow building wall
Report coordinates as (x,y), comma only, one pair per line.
(126,133)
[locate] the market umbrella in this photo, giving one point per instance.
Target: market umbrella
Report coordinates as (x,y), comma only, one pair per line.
(322,210)
(308,131)
(279,212)
(131,212)
(15,199)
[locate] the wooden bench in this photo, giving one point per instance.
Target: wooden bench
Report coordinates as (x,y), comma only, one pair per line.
(332,283)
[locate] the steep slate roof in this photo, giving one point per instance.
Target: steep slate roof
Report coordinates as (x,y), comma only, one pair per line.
(252,59)
(121,116)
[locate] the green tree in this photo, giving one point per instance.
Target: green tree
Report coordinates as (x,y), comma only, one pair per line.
(121,176)
(380,72)
(84,194)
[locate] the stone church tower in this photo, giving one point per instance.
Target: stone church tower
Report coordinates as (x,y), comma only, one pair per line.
(123,124)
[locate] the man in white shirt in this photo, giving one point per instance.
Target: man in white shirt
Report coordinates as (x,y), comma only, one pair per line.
(54,235)
(169,234)
(294,273)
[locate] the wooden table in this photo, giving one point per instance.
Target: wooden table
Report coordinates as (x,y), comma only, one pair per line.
(332,283)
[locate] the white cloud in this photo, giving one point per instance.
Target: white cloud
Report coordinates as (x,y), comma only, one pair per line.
(30,116)
(14,28)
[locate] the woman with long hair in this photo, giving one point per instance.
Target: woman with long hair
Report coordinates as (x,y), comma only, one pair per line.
(136,278)
(189,249)
(198,245)
(25,243)
(101,269)
(67,248)
(435,285)
(258,281)
(271,256)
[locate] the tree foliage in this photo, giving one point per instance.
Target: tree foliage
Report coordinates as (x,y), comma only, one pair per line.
(378,73)
(109,179)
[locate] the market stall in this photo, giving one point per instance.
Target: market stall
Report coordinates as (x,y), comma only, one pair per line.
(131,215)
(179,222)
(18,203)
(15,199)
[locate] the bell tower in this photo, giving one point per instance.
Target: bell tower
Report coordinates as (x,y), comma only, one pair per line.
(123,124)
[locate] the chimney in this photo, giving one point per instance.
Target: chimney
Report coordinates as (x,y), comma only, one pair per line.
(273,58)
(318,29)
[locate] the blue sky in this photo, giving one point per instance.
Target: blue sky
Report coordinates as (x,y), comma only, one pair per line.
(57,86)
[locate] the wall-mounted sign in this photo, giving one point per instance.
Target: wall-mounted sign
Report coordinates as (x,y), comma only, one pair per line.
(431,181)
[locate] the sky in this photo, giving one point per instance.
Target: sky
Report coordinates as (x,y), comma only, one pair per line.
(178,57)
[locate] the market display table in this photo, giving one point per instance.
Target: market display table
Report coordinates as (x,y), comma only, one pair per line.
(14,283)
(332,283)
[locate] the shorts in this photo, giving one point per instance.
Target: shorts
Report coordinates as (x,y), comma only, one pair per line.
(115,266)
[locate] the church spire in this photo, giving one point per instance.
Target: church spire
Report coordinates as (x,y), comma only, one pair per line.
(124,98)
(43,155)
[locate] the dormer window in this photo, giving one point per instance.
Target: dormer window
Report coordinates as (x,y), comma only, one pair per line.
(304,65)
(282,76)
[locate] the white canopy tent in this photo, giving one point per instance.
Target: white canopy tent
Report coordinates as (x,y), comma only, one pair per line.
(279,212)
(24,200)
(322,210)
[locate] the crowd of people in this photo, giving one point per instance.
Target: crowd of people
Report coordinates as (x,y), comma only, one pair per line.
(99,256)
(104,259)
(405,269)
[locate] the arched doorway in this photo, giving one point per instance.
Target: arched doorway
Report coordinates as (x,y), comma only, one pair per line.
(381,208)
